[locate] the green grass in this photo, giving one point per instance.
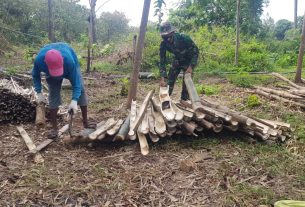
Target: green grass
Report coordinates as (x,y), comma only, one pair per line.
(208,89)
(246,80)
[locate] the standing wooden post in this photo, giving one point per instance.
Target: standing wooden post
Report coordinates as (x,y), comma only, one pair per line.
(51,21)
(134,78)
(295,14)
(237,32)
(298,75)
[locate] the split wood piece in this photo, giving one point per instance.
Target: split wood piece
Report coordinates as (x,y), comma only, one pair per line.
(212,119)
(187,112)
(46,142)
(196,104)
(143,143)
(232,128)
(144,127)
(83,136)
(217,127)
(153,137)
(133,116)
(112,131)
(141,114)
(162,135)
(237,115)
(284,100)
(287,80)
(262,136)
(171,130)
(160,126)
(15,86)
(166,104)
(190,127)
(123,132)
(151,121)
(40,114)
(199,114)
(178,112)
(199,128)
(247,130)
(30,144)
(171,124)
(212,112)
(109,123)
(179,132)
(279,93)
(206,124)
(278,124)
(297,92)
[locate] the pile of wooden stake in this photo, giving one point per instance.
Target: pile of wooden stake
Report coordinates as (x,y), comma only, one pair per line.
(160,117)
(16,103)
(293,96)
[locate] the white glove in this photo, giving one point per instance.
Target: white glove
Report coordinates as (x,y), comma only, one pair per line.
(73,106)
(40,98)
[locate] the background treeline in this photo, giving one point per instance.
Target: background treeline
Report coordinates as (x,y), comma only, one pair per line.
(265,45)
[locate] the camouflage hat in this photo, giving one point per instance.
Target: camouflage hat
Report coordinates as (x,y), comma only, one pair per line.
(166,28)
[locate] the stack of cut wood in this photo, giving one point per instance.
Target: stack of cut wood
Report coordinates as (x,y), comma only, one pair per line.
(16,105)
(293,96)
(162,117)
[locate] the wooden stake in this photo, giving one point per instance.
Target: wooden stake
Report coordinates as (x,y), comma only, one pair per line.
(30,144)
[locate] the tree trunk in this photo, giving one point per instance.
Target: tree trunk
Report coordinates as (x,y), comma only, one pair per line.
(237,32)
(132,94)
(92,19)
(51,21)
(295,14)
(298,75)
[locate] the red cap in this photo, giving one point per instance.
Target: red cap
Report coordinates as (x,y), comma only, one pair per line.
(55,63)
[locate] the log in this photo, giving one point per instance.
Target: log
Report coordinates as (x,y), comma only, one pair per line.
(153,137)
(133,116)
(190,127)
(112,131)
(187,112)
(109,123)
(151,121)
(40,114)
(141,114)
(143,143)
(196,104)
(122,134)
(279,93)
(30,144)
(287,80)
(144,129)
(206,124)
(160,126)
(179,113)
(284,100)
(166,104)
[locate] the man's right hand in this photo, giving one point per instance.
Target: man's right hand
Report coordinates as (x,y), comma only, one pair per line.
(162,82)
(41,98)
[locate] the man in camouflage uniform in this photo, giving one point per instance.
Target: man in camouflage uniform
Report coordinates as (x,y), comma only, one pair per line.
(185,57)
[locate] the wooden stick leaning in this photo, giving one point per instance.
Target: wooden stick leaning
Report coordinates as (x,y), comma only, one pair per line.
(288,81)
(109,123)
(30,144)
(123,132)
(141,114)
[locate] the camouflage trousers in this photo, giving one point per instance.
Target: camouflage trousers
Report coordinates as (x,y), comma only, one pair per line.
(172,77)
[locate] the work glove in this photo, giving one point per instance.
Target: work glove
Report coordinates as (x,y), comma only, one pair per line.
(73,107)
(41,98)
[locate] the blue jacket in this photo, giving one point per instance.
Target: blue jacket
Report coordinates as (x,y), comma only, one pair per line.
(71,68)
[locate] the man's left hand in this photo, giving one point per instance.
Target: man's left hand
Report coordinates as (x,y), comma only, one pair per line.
(189,70)
(73,106)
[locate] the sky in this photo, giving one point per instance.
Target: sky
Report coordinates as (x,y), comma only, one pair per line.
(277,9)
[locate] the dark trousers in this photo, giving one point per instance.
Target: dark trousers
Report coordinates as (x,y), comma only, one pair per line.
(174,71)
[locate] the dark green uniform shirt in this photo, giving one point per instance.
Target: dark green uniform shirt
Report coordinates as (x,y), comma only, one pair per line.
(184,50)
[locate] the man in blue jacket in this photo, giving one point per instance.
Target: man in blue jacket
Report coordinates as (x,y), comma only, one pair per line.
(58,61)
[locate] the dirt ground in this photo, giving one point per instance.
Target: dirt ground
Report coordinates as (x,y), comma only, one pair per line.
(230,171)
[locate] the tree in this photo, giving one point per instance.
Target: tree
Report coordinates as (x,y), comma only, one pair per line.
(92,20)
(298,75)
(295,14)
(111,26)
(134,78)
(281,27)
(237,31)
(51,21)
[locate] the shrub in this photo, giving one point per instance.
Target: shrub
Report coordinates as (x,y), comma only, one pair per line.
(253,101)
(207,89)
